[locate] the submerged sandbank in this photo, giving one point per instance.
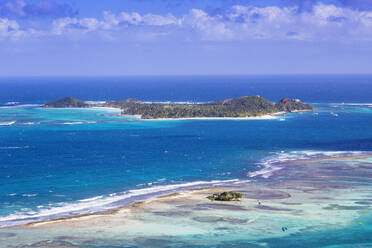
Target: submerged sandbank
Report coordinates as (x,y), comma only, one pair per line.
(319,197)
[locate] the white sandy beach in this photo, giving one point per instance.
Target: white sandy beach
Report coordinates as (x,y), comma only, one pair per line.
(261,117)
(106,108)
(301,197)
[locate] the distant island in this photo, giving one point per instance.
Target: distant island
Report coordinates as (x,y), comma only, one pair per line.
(240,107)
(67,102)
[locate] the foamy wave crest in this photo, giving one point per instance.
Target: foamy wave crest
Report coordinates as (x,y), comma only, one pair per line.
(29,195)
(13,147)
(276,162)
(31,123)
(352,105)
(11,103)
(21,106)
(77,122)
(103,203)
(7,123)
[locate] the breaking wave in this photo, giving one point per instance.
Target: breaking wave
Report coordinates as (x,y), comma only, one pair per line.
(77,122)
(20,106)
(13,147)
(276,162)
(102,203)
(7,123)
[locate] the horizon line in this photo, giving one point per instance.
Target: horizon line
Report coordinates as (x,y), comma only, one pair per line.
(188,75)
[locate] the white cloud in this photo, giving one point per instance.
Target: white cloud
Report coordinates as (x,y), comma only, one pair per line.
(67,25)
(9,29)
(125,19)
(323,22)
(7,25)
(209,27)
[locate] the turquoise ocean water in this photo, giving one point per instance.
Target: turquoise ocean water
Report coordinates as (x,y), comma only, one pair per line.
(62,162)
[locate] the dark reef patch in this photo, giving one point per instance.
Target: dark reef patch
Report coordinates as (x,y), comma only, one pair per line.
(6,235)
(363,202)
(156,242)
(291,203)
(213,219)
(263,207)
(172,213)
(207,206)
(49,244)
(341,207)
(266,195)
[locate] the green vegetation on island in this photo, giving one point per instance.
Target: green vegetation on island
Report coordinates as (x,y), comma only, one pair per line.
(246,106)
(67,102)
(226,196)
(288,105)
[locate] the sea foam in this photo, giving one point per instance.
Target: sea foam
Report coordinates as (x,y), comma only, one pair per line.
(21,106)
(7,123)
(103,203)
(77,122)
(276,162)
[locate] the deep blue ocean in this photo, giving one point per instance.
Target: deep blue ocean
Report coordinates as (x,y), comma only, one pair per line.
(310,88)
(61,162)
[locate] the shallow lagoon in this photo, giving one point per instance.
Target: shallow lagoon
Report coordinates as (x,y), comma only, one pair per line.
(307,197)
(85,156)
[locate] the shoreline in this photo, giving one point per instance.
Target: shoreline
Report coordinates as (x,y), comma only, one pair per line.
(267,172)
(271,116)
(126,208)
(260,117)
(139,117)
(308,199)
(183,193)
(106,108)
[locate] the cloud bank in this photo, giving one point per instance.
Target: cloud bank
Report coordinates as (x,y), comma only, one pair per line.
(317,22)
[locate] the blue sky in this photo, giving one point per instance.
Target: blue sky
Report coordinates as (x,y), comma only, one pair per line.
(189,37)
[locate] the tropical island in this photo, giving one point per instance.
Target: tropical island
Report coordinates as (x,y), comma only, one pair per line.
(240,107)
(67,102)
